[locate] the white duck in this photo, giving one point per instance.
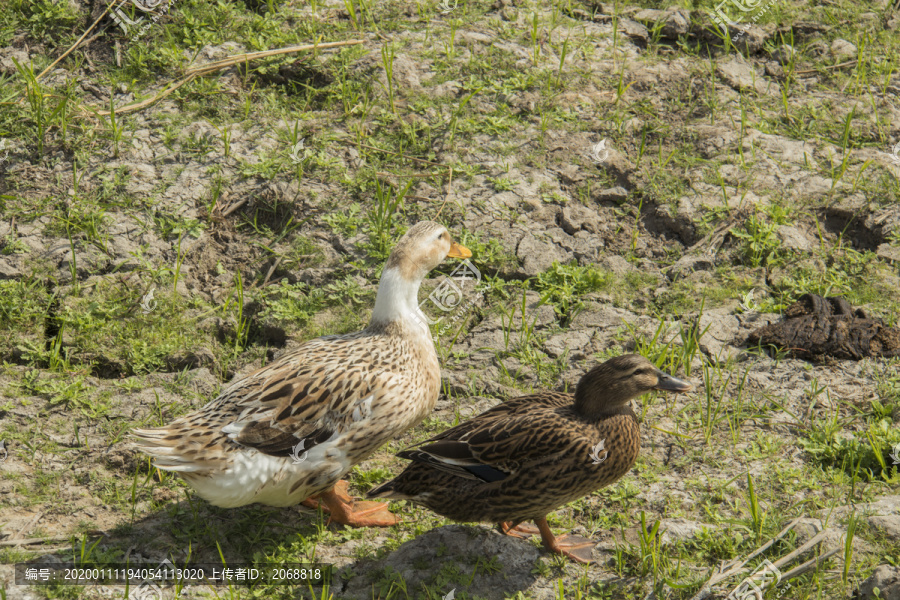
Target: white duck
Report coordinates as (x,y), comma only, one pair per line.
(292,429)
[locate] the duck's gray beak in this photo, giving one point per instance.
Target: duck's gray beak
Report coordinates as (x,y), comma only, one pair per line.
(671,384)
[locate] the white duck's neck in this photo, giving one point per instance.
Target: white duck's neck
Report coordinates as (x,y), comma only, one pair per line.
(398,300)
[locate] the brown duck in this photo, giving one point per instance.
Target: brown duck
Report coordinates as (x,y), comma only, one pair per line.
(526,457)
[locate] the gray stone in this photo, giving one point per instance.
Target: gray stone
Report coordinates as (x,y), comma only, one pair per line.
(406,72)
(634,30)
(720,331)
(616,264)
(750,39)
(678,22)
(794,239)
(537,255)
(715,139)
(7,66)
(475,37)
(614,194)
(586,247)
(577,217)
(784,54)
(9,270)
(675,22)
(740,75)
(448,88)
(807,528)
(572,341)
(690,263)
(843,49)
(889,525)
(889,252)
(886,580)
(602,316)
(882,514)
(681,530)
(209,54)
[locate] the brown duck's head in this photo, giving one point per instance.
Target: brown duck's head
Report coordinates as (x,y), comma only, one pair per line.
(608,387)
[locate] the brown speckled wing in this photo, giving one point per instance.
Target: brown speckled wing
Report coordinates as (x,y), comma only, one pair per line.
(519,434)
(306,395)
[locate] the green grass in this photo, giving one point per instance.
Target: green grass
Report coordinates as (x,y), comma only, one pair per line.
(247,250)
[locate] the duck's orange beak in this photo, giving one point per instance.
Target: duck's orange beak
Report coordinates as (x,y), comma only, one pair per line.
(458,251)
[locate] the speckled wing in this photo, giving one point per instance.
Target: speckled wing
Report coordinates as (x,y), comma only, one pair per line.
(307,395)
(519,434)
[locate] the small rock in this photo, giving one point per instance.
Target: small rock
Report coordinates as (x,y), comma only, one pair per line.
(690,263)
(681,530)
(448,88)
(719,331)
(537,255)
(749,39)
(740,75)
(889,525)
(617,264)
(784,54)
(406,72)
(843,49)
(577,217)
(675,22)
(8,270)
(613,194)
(634,30)
(649,15)
(678,22)
(7,66)
(869,18)
(807,528)
(211,53)
(885,251)
(794,239)
(886,580)
(572,341)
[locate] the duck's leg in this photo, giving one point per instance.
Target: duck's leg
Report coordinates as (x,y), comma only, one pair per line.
(340,488)
(519,530)
(343,509)
(574,546)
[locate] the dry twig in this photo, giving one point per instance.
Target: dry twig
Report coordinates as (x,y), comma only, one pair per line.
(212,67)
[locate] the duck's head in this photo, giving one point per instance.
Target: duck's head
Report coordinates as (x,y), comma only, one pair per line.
(422,248)
(607,388)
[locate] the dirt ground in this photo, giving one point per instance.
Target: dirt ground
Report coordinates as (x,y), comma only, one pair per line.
(629,177)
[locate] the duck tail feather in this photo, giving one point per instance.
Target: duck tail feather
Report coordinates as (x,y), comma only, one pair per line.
(387,490)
